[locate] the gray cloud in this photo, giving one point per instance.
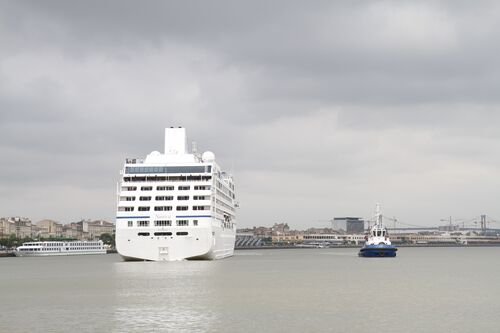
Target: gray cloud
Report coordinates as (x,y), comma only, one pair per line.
(321,109)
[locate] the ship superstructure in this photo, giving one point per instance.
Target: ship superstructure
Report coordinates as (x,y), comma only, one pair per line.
(176,205)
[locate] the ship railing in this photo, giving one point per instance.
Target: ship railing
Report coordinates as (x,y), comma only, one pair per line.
(161,178)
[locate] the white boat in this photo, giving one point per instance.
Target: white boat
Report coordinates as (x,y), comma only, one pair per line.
(175,205)
(59,248)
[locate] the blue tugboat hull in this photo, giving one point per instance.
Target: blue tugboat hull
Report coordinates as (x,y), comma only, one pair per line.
(378,251)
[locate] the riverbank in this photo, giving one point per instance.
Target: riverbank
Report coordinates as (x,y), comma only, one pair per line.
(360,246)
(7,254)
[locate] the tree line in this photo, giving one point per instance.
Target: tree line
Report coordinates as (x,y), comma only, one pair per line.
(13,241)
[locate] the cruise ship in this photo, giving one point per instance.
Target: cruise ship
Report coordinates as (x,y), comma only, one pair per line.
(59,248)
(175,205)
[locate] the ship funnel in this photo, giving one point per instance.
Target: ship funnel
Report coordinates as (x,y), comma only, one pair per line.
(175,141)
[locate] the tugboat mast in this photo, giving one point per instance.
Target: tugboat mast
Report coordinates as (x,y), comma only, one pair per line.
(378,215)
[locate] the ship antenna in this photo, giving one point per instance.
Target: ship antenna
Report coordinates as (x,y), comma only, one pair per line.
(378,215)
(194,148)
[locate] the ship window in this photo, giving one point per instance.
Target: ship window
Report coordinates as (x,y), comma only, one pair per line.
(143,223)
(127,198)
(143,234)
(130,223)
(129,188)
(163,233)
(147,188)
(181,233)
(186,169)
(144,209)
(144,198)
(163,198)
(162,208)
(182,223)
(202,187)
(175,169)
(195,223)
(182,208)
(183,188)
(165,188)
(125,209)
(201,207)
(163,223)
(183,197)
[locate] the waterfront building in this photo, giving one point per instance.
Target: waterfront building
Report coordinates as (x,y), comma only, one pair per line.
(48,229)
(21,227)
(248,240)
(320,231)
(262,231)
(349,225)
(280,229)
(290,238)
(96,228)
(7,227)
(70,230)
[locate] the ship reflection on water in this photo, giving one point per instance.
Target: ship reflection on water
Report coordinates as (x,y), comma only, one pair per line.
(153,296)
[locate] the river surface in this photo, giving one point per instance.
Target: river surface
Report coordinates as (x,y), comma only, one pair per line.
(295,290)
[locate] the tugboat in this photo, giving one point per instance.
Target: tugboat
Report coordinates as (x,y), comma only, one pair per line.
(378,243)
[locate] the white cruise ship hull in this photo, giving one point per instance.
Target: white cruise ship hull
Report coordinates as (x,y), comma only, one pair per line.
(200,243)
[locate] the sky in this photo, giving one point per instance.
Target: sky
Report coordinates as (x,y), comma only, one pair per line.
(320,109)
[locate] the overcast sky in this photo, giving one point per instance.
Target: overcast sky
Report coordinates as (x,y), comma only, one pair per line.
(319,108)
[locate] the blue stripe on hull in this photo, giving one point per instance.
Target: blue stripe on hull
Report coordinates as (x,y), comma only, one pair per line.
(193,216)
(132,217)
(378,251)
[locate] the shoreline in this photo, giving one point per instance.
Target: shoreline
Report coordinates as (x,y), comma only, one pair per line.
(10,254)
(360,246)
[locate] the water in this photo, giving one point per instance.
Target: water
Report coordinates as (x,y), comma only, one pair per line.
(303,290)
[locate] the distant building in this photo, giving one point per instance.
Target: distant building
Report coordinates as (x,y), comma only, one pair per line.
(349,225)
(287,238)
(4,227)
(88,229)
(448,228)
(49,229)
(70,230)
(262,231)
(247,240)
(22,227)
(96,228)
(7,227)
(311,231)
(19,226)
(280,229)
